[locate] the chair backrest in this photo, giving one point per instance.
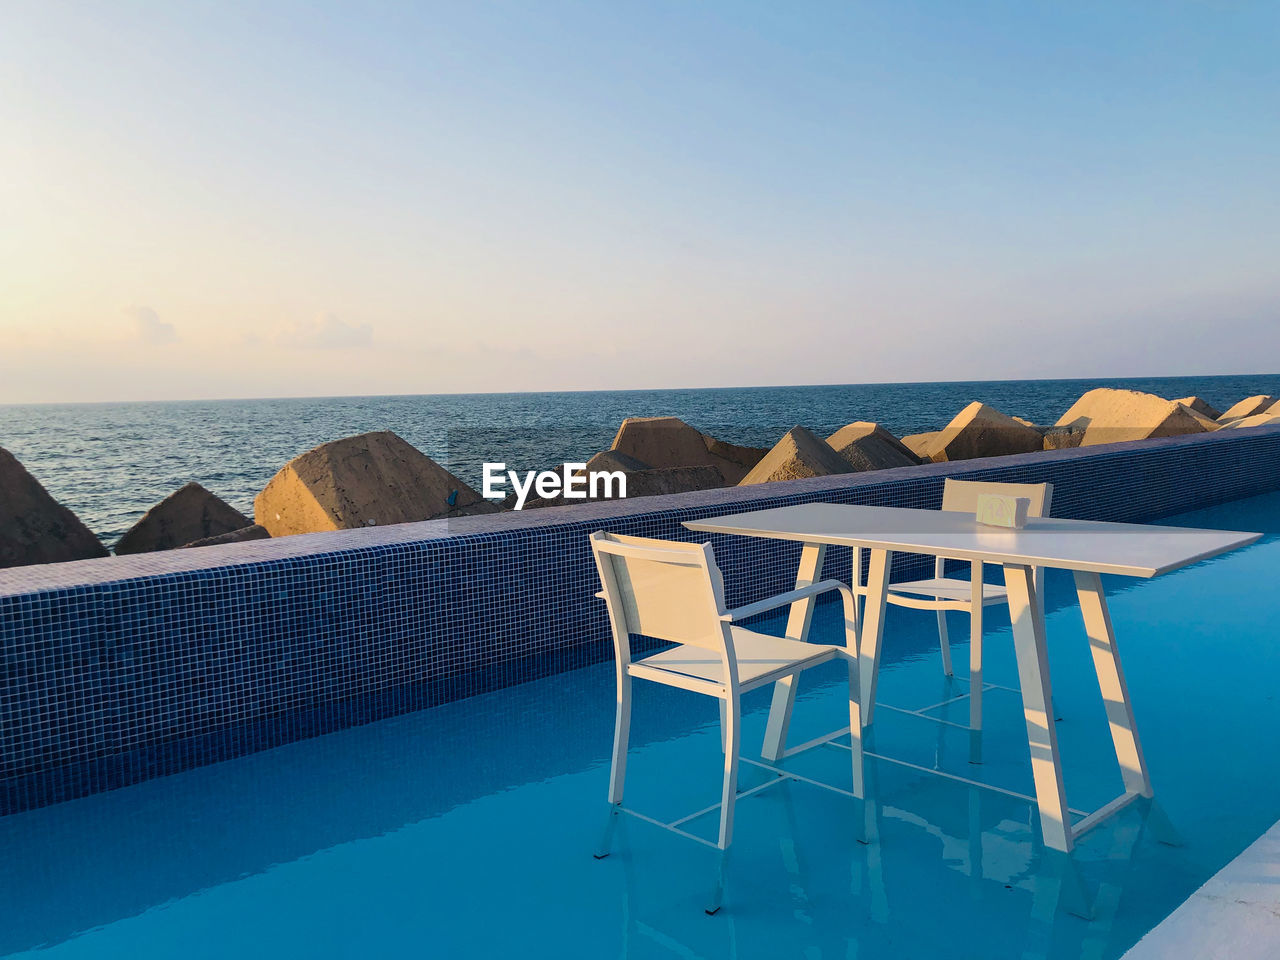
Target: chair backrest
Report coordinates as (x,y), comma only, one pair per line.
(662,589)
(962,495)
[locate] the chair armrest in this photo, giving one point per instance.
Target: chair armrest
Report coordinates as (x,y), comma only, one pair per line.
(782,599)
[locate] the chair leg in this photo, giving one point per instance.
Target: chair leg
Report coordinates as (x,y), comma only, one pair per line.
(716,900)
(723,707)
(732,737)
(621,737)
(975,666)
(945,643)
(605,846)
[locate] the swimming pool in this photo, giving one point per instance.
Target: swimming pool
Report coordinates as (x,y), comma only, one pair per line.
(467,829)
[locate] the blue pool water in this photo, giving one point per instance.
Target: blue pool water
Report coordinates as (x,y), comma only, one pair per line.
(466,830)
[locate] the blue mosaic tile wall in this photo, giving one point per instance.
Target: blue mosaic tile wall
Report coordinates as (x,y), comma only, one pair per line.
(122,669)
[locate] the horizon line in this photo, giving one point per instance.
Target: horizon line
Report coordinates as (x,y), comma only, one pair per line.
(614,390)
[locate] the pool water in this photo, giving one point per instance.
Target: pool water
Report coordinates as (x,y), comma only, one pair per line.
(467,830)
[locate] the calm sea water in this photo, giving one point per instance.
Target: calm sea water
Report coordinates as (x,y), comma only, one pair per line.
(110,462)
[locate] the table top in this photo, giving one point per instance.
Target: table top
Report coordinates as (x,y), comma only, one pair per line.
(1125,549)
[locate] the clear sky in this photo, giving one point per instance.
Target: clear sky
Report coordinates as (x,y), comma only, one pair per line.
(216,199)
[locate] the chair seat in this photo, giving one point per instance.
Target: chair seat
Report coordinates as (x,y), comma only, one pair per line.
(943,588)
(760,657)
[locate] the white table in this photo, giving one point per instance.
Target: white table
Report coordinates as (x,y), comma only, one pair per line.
(1087,548)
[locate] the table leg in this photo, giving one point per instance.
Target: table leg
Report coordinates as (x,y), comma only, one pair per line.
(1037,695)
(975,661)
(873,631)
(798,620)
(1115,692)
(975,645)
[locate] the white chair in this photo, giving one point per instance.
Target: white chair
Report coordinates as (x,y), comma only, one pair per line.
(673,591)
(941,593)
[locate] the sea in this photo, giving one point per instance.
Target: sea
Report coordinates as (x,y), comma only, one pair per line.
(111,462)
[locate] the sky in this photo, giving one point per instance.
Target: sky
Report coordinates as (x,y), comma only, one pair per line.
(217,199)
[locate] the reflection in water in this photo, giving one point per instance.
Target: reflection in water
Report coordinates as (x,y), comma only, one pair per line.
(986,849)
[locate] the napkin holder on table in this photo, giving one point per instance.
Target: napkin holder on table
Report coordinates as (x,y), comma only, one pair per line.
(999,510)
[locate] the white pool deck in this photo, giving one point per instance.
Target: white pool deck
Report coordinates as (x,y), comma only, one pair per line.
(1234,916)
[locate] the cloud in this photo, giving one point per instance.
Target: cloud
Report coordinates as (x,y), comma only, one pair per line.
(327,332)
(150,328)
